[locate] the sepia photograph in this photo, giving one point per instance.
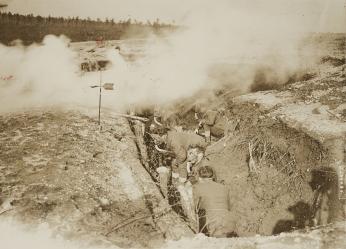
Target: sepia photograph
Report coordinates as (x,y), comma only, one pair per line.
(171,124)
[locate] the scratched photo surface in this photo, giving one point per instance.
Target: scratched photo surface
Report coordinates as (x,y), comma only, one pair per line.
(172,124)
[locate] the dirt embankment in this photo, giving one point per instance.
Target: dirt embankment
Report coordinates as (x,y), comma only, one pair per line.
(299,149)
(279,188)
(58,168)
(298,144)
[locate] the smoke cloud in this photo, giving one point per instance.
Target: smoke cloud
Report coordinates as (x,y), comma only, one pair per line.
(223,44)
(37,75)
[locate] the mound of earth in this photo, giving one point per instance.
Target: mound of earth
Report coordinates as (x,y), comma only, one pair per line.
(57,167)
(298,143)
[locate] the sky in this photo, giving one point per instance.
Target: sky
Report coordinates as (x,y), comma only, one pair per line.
(321,15)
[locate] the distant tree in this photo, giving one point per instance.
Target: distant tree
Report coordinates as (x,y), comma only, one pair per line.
(156,23)
(128,21)
(30,28)
(39,19)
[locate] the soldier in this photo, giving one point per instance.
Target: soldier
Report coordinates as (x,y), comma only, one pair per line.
(213,123)
(212,203)
(157,125)
(195,159)
(187,176)
(186,149)
(181,143)
(217,124)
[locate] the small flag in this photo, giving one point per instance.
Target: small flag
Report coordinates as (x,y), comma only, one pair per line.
(108,86)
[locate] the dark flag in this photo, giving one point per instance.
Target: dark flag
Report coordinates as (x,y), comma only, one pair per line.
(108,86)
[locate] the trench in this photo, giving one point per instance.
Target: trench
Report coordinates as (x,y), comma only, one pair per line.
(295,185)
(151,159)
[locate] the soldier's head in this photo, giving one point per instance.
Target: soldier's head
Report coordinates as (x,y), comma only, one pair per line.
(206,172)
(195,153)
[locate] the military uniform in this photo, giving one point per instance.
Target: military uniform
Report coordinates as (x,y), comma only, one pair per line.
(213,198)
(214,123)
(178,143)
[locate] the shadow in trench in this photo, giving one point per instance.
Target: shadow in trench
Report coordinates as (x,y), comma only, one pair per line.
(324,207)
(302,217)
(174,200)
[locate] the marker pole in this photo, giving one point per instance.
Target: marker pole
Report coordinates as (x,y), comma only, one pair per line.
(100,98)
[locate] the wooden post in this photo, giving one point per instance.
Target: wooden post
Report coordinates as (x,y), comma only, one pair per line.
(100,98)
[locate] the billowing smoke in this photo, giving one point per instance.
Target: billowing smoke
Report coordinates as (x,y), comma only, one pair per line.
(38,75)
(236,41)
(229,45)
(222,44)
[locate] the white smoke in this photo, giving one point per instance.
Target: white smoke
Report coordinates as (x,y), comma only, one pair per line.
(176,66)
(38,75)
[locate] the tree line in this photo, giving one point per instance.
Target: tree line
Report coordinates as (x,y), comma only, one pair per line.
(30,28)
